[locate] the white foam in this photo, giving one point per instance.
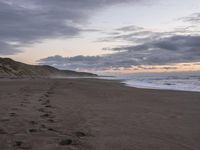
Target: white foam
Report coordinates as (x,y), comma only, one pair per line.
(168,83)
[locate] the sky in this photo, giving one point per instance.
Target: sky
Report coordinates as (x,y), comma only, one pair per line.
(107,36)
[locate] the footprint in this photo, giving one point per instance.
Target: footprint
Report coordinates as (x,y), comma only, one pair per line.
(26,95)
(22,105)
(46,95)
(18,143)
(33,130)
(51,129)
(49,106)
(3,131)
(21,145)
(65,142)
(50,92)
(25,99)
(51,120)
(46,102)
(46,116)
(4,120)
(80,134)
(41,110)
(33,122)
(12,114)
(47,112)
(43,126)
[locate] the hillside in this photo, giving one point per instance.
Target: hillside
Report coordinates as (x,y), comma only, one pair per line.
(13,69)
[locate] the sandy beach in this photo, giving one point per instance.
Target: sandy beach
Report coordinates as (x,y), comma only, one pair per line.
(84,114)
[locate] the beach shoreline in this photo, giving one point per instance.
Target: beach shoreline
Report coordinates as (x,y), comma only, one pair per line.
(54,114)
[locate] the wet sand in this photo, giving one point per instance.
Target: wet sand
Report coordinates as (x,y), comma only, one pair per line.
(84,114)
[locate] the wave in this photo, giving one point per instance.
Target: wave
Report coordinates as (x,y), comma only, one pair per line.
(178,82)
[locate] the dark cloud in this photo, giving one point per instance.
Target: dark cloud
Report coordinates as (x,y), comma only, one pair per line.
(87,62)
(136,34)
(144,47)
(194,18)
(24,22)
(128,33)
(168,50)
(29,21)
(6,48)
(129,28)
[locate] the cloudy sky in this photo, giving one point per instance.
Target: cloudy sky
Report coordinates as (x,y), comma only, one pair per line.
(102,35)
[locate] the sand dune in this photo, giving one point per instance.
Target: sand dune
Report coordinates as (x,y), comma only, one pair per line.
(13,69)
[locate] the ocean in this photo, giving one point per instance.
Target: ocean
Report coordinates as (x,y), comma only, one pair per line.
(182,81)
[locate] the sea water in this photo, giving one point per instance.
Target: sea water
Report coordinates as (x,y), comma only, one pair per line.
(183,81)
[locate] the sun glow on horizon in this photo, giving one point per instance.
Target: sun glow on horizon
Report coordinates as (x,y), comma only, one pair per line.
(179,67)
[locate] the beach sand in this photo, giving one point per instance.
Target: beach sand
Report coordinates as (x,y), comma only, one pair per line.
(84,114)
